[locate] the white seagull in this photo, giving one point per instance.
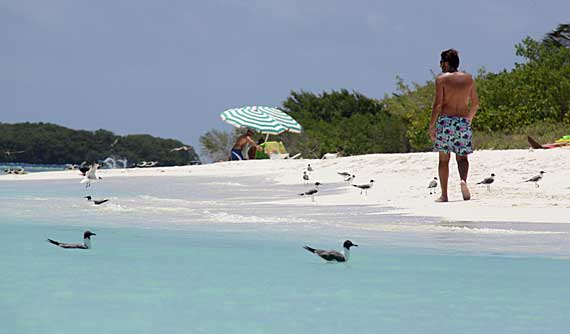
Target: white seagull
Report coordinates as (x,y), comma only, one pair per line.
(312,192)
(487,181)
(91,175)
(85,245)
(364,187)
(349,179)
(536,178)
(305,176)
(332,255)
(432,185)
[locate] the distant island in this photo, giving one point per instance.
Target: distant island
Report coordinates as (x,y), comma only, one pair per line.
(45,143)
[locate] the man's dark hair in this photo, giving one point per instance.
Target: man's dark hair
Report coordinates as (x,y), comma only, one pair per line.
(451,56)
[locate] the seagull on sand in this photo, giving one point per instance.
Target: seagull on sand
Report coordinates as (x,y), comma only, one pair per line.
(305,176)
(95,201)
(536,178)
(309,168)
(487,181)
(364,187)
(332,255)
(85,245)
(312,192)
(91,175)
(432,185)
(349,179)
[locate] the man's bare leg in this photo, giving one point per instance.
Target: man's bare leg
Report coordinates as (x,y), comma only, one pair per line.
(463,167)
(443,170)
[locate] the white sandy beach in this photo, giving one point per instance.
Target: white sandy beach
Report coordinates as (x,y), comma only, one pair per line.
(401,183)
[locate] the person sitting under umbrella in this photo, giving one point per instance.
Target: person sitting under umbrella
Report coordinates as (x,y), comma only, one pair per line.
(240,144)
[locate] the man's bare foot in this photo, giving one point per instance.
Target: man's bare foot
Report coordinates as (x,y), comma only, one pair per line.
(465,191)
(441,199)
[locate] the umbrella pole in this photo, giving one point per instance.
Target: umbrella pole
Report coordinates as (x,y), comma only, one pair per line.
(266,137)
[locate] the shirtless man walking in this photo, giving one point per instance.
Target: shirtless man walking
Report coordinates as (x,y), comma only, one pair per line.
(236,153)
(454,107)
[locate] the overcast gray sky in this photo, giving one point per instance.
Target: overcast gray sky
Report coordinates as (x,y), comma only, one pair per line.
(169,68)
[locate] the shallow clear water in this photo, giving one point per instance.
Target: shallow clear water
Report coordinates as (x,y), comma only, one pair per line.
(200,255)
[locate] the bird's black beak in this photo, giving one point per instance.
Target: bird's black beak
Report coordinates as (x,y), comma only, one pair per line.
(355,245)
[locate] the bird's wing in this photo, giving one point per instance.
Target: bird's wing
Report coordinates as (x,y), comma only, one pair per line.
(534,178)
(81,246)
(64,245)
(331,255)
(488,180)
(57,243)
(90,173)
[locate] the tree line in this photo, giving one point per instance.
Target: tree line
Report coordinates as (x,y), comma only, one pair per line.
(45,143)
(533,98)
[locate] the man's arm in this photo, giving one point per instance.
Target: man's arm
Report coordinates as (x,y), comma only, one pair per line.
(253,143)
(436,108)
(474,102)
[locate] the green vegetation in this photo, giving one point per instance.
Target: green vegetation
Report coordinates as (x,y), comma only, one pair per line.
(343,121)
(46,143)
(216,144)
(533,99)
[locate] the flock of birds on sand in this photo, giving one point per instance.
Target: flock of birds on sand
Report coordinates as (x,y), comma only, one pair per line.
(490,180)
(347,177)
(432,186)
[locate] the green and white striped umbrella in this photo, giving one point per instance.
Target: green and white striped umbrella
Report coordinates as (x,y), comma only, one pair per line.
(266,120)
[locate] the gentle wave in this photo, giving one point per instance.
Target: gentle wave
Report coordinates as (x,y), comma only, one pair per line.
(224,217)
(419,228)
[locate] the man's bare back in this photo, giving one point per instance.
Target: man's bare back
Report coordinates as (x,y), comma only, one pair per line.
(453,93)
(242,141)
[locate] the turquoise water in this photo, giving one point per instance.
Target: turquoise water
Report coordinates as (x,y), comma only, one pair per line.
(179,255)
